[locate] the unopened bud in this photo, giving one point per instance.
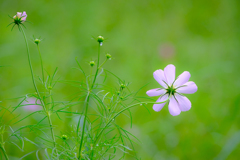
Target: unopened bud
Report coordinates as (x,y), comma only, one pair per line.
(100,39)
(122,86)
(108,56)
(64,137)
(118,92)
(49,87)
(37,41)
(92,63)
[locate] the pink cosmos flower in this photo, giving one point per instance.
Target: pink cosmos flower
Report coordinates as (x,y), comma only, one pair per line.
(20,17)
(172,89)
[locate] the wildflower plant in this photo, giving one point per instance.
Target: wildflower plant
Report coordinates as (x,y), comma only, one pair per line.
(95,132)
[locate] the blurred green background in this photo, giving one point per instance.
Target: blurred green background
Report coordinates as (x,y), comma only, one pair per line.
(201,37)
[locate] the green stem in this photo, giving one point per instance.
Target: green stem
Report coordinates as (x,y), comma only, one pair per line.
(31,69)
(50,121)
(41,63)
(83,129)
(86,108)
(4,152)
(43,79)
(35,86)
(95,77)
(102,63)
(2,144)
(98,136)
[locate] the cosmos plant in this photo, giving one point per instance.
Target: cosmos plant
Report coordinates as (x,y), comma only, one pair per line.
(94,132)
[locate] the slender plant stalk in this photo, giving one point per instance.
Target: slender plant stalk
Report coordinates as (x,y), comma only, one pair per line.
(86,107)
(50,121)
(4,152)
(41,64)
(102,63)
(35,86)
(43,79)
(95,77)
(2,147)
(98,136)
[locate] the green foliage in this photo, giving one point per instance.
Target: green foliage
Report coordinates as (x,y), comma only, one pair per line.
(201,37)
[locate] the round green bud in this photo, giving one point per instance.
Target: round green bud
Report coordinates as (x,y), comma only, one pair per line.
(122,86)
(49,87)
(37,41)
(100,39)
(108,56)
(118,92)
(92,63)
(64,137)
(121,97)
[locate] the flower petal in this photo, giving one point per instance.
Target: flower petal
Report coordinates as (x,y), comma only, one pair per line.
(24,16)
(19,14)
(182,78)
(183,102)
(156,92)
(169,72)
(158,107)
(188,88)
(174,107)
(160,77)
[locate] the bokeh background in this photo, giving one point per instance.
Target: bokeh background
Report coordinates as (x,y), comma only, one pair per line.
(201,37)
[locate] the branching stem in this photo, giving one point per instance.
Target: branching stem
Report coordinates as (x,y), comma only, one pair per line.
(86,107)
(35,86)
(2,146)
(100,133)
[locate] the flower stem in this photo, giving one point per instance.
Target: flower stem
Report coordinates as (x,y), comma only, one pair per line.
(86,107)
(95,77)
(41,63)
(35,86)
(2,145)
(98,136)
(4,152)
(50,121)
(31,69)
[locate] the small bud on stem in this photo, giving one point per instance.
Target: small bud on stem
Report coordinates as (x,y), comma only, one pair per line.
(64,137)
(108,56)
(37,41)
(92,63)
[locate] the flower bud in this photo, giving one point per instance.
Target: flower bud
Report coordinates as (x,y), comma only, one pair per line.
(37,41)
(64,137)
(91,63)
(49,87)
(20,17)
(108,56)
(100,39)
(122,86)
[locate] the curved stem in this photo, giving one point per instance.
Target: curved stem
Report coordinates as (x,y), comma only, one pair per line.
(83,128)
(43,80)
(50,121)
(4,152)
(102,63)
(86,107)
(2,146)
(34,84)
(95,77)
(31,69)
(98,136)
(41,63)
